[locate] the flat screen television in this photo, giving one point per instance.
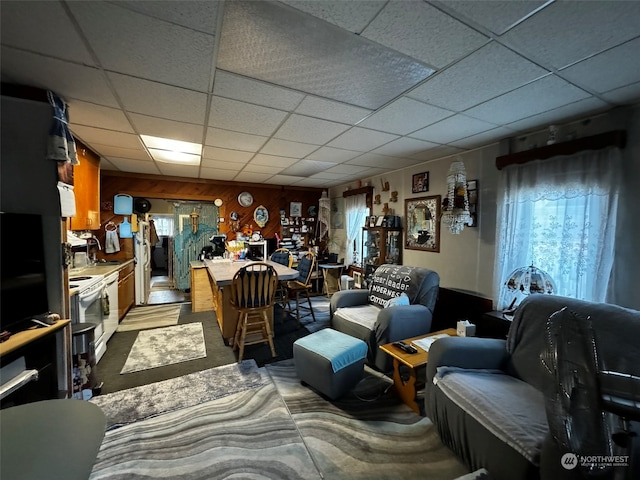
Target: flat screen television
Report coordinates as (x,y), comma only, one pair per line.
(23,272)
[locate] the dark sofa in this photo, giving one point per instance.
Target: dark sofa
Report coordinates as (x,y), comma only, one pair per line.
(488,400)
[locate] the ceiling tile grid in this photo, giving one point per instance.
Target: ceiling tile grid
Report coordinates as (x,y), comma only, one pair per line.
(319,93)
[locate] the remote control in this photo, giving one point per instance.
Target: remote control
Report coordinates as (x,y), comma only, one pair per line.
(405,347)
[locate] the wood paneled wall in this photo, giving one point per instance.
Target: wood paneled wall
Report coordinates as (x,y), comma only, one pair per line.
(273,197)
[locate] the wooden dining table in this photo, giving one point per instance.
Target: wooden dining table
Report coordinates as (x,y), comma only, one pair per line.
(221,273)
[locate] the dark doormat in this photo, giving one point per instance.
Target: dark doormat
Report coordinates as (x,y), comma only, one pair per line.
(286,331)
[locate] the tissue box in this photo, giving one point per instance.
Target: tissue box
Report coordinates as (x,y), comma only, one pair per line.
(466,329)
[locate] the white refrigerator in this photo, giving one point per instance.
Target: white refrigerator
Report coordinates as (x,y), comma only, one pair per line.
(142,251)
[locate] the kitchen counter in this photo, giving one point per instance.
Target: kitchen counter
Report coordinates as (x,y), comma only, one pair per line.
(99,268)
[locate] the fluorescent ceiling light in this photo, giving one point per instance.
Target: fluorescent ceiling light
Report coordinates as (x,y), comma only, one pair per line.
(173,151)
(174,157)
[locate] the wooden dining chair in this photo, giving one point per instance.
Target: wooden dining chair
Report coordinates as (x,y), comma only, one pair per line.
(283,256)
(252,293)
(300,287)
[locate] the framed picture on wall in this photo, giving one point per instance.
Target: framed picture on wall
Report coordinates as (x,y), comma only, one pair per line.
(423,223)
(420,182)
(296,209)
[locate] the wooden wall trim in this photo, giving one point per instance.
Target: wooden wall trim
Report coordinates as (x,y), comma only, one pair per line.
(614,138)
(368,191)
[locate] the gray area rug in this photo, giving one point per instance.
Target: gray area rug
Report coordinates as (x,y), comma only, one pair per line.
(320,305)
(139,403)
(166,346)
(142,318)
(282,430)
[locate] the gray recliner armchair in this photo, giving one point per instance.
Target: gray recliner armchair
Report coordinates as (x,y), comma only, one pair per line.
(488,398)
(381,314)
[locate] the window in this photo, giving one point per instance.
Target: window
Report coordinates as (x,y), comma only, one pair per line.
(560,216)
(164,225)
(356,211)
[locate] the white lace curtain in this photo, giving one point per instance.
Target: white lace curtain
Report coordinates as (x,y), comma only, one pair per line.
(355,208)
(560,215)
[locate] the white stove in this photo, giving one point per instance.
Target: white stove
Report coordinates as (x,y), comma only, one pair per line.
(87,307)
(83,282)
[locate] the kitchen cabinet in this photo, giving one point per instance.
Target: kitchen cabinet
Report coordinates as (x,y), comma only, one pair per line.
(202,288)
(86,187)
(126,289)
(380,245)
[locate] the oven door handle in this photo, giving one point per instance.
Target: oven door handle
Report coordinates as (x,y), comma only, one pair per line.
(89,298)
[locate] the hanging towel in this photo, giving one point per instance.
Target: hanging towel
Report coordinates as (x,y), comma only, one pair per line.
(61,146)
(112,242)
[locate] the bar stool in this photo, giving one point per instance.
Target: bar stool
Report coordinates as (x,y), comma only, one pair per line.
(283,256)
(300,287)
(252,293)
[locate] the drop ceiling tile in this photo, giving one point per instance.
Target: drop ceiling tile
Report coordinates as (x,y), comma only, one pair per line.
(437,153)
(135,166)
(244,117)
(343,169)
(624,95)
(285,148)
(537,97)
(221,164)
(217,174)
(188,171)
(113,151)
(253,177)
(330,176)
(299,128)
(381,161)
(306,168)
(160,127)
(330,110)
(497,16)
(581,108)
(286,47)
(361,139)
(486,73)
(90,135)
(159,100)
(254,91)
(66,79)
(105,164)
(43,28)
(352,16)
(91,115)
(405,115)
(313,182)
(234,140)
(329,154)
(145,47)
(227,155)
(453,128)
(273,160)
(201,16)
(595,73)
(404,147)
(566,32)
(284,180)
(484,138)
(421,31)
(254,168)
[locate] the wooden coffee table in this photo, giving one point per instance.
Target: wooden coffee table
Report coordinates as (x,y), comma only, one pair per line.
(407,388)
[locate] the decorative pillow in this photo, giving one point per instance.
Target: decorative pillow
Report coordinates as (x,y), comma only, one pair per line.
(388,281)
(401,299)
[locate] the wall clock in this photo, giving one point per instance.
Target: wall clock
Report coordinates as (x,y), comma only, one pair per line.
(245,199)
(217,202)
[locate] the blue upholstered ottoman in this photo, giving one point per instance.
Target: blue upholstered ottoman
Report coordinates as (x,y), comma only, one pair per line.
(332,362)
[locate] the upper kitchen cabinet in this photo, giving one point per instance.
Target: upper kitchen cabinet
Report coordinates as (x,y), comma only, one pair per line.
(86,186)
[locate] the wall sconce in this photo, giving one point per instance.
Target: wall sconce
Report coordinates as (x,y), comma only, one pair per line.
(455,206)
(195,217)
